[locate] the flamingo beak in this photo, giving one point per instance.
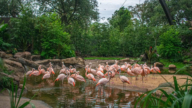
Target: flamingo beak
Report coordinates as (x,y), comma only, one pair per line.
(128,82)
(159,71)
(97,84)
(53,72)
(56,79)
(94,79)
(74,84)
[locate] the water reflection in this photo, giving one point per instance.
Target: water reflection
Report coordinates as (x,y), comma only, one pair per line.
(83,95)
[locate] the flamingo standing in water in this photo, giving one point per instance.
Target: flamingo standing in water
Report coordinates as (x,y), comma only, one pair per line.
(29,72)
(100,68)
(93,71)
(61,77)
(90,76)
(71,80)
(103,82)
(35,73)
(47,75)
(78,77)
(100,74)
(63,68)
(124,79)
(42,70)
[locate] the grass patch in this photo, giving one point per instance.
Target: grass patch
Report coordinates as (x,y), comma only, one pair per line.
(104,58)
(167,63)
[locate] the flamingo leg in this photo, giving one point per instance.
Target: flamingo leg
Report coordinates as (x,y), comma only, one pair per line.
(103,92)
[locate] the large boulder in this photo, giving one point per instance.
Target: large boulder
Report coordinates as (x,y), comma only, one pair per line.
(9,56)
(71,60)
(47,61)
(26,55)
(35,57)
(13,66)
(2,54)
(77,62)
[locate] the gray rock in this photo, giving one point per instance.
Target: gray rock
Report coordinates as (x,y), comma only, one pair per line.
(26,55)
(35,57)
(8,55)
(2,54)
(13,66)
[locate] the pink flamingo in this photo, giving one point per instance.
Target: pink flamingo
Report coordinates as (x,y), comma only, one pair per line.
(29,72)
(63,68)
(124,79)
(106,66)
(35,73)
(100,74)
(103,82)
(78,77)
(71,80)
(61,77)
(156,68)
(71,70)
(124,67)
(130,73)
(93,71)
(89,76)
(42,70)
(100,68)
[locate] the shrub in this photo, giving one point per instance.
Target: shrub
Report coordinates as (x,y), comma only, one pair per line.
(170,45)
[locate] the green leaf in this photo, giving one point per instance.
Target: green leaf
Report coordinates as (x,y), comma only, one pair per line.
(32,105)
(21,91)
(24,104)
(175,83)
(187,102)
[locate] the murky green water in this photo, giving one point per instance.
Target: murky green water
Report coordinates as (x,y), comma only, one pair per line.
(83,95)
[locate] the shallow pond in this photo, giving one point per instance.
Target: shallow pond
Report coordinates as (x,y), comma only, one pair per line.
(83,95)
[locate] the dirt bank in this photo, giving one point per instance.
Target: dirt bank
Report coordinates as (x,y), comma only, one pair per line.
(149,82)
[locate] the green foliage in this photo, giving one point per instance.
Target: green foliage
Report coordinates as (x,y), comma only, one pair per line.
(4,81)
(23,29)
(120,19)
(81,11)
(54,41)
(166,63)
(150,55)
(13,96)
(170,45)
(3,37)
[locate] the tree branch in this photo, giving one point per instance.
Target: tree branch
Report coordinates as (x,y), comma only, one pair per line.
(73,12)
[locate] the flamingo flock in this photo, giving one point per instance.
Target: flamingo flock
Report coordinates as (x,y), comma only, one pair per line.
(103,73)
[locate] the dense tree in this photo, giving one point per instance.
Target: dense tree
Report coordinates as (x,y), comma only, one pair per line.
(121,18)
(69,11)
